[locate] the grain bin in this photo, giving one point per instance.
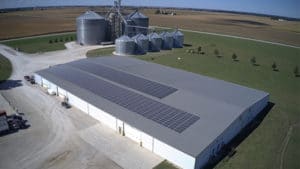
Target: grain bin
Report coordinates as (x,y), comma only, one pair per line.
(125,46)
(91,28)
(129,29)
(141,43)
(178,39)
(140,21)
(167,40)
(155,42)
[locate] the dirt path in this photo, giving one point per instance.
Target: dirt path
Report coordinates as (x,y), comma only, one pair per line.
(286,143)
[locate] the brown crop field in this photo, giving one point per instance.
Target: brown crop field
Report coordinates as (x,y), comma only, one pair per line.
(35,22)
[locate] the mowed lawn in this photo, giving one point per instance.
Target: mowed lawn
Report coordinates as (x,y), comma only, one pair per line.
(41,44)
(263,147)
(5,68)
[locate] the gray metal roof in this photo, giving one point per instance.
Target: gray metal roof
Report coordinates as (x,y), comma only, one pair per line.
(166,34)
(89,15)
(140,37)
(177,33)
(216,102)
(124,38)
(135,15)
(154,35)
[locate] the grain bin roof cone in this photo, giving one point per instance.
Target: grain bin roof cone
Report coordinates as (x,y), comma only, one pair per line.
(141,21)
(91,28)
(125,46)
(167,40)
(178,39)
(155,42)
(142,43)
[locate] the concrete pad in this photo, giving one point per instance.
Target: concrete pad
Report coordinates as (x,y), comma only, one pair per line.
(126,153)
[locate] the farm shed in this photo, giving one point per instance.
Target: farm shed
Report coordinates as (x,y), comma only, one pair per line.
(181,116)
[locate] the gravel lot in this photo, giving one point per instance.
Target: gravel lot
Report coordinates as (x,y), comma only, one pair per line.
(59,138)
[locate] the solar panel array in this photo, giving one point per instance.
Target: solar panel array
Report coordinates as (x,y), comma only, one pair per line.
(131,81)
(160,113)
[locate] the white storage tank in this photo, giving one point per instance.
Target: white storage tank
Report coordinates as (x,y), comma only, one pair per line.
(125,46)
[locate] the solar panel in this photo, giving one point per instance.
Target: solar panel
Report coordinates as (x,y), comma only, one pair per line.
(140,84)
(158,112)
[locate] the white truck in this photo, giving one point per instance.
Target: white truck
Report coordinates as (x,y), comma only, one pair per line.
(3,122)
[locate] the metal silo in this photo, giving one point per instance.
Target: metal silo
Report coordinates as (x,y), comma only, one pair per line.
(155,42)
(167,40)
(129,29)
(142,43)
(91,28)
(141,22)
(178,39)
(125,45)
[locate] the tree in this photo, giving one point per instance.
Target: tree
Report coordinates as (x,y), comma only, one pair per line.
(61,40)
(296,71)
(50,41)
(71,38)
(274,66)
(216,52)
(56,40)
(66,39)
(157,11)
(253,60)
(234,56)
(199,49)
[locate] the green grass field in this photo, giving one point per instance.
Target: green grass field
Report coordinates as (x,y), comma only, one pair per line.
(100,52)
(41,44)
(263,147)
(5,68)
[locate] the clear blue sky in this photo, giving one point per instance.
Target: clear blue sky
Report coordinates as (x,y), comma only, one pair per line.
(290,8)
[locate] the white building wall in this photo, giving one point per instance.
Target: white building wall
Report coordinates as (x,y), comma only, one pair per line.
(173,155)
(231,132)
(132,133)
(147,141)
(61,92)
(38,79)
(45,83)
(77,102)
(103,117)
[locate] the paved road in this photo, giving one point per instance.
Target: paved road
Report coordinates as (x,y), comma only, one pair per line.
(59,138)
(237,37)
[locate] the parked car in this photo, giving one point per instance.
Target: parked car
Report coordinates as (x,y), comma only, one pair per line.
(65,104)
(27,78)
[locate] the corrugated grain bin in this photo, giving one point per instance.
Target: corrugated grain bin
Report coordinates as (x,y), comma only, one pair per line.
(141,21)
(155,42)
(142,43)
(129,29)
(167,40)
(91,28)
(125,45)
(178,39)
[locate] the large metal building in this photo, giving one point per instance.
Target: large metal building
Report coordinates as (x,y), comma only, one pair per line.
(183,117)
(91,28)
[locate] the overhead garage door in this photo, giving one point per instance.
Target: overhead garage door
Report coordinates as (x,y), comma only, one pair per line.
(77,102)
(132,133)
(103,117)
(147,141)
